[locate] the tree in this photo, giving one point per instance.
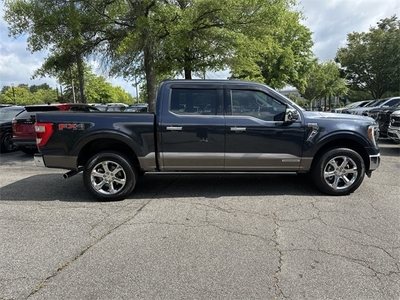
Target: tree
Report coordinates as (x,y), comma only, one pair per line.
(66,28)
(34,88)
(277,51)
(324,82)
(370,61)
(151,39)
(17,95)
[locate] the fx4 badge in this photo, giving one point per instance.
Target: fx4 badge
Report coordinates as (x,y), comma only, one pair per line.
(72,126)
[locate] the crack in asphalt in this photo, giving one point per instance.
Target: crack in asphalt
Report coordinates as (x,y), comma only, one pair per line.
(102,237)
(84,250)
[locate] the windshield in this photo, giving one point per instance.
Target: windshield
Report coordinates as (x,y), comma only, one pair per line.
(372,103)
(379,102)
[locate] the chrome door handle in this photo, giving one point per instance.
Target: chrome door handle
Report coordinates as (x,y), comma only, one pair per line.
(238,129)
(174,128)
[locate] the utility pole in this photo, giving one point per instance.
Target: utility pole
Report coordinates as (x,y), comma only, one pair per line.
(13,91)
(137,93)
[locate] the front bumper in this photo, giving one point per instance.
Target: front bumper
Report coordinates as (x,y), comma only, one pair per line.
(374,161)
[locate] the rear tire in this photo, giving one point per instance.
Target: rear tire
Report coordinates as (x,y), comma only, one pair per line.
(339,171)
(109,176)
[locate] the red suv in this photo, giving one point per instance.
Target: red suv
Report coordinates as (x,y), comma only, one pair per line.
(23,125)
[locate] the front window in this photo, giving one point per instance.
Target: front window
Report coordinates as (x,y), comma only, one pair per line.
(256,104)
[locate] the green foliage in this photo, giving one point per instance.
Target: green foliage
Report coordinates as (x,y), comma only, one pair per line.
(370,61)
(100,91)
(21,95)
(146,40)
(276,50)
(324,82)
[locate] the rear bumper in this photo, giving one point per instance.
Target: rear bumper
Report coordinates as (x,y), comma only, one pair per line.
(54,161)
(39,161)
(25,142)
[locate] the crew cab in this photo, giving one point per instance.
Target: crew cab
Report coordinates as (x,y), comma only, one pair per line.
(207,126)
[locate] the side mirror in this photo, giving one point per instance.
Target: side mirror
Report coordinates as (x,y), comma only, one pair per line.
(291,115)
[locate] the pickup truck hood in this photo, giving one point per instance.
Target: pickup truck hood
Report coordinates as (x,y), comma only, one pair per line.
(315,115)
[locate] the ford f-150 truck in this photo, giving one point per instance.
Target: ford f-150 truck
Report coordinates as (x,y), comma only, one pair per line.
(209,126)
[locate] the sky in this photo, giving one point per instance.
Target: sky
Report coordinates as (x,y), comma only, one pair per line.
(329,20)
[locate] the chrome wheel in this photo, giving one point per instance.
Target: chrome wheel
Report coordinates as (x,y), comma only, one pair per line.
(340,172)
(108,177)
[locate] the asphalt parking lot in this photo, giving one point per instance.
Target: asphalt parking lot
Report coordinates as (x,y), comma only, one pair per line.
(199,237)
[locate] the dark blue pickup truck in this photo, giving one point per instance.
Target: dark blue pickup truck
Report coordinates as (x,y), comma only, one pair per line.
(207,126)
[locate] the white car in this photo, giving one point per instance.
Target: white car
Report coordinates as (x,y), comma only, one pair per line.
(351,105)
(394,126)
(363,111)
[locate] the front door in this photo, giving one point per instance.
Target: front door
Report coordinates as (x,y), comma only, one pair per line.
(257,138)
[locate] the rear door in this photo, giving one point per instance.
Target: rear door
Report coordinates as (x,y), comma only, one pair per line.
(257,138)
(192,129)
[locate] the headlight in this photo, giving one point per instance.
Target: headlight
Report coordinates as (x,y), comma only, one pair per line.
(373,133)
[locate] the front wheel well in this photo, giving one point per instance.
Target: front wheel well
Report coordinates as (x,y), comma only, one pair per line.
(343,143)
(104,144)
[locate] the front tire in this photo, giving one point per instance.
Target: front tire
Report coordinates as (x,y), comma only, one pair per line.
(339,171)
(109,176)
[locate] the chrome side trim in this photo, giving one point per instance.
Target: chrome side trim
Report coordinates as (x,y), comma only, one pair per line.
(174,128)
(238,129)
(193,161)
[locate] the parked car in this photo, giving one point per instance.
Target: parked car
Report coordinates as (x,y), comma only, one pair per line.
(351,105)
(139,107)
(111,107)
(394,126)
(382,117)
(23,125)
(387,102)
(7,113)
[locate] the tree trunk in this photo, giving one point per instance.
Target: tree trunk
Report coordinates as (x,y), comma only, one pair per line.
(188,65)
(330,103)
(150,75)
(188,73)
(81,75)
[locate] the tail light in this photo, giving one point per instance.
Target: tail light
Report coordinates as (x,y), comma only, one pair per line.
(43,133)
(16,126)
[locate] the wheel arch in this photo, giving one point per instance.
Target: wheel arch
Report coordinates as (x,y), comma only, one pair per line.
(342,143)
(107,143)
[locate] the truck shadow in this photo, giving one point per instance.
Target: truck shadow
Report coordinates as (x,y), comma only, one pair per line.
(51,187)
